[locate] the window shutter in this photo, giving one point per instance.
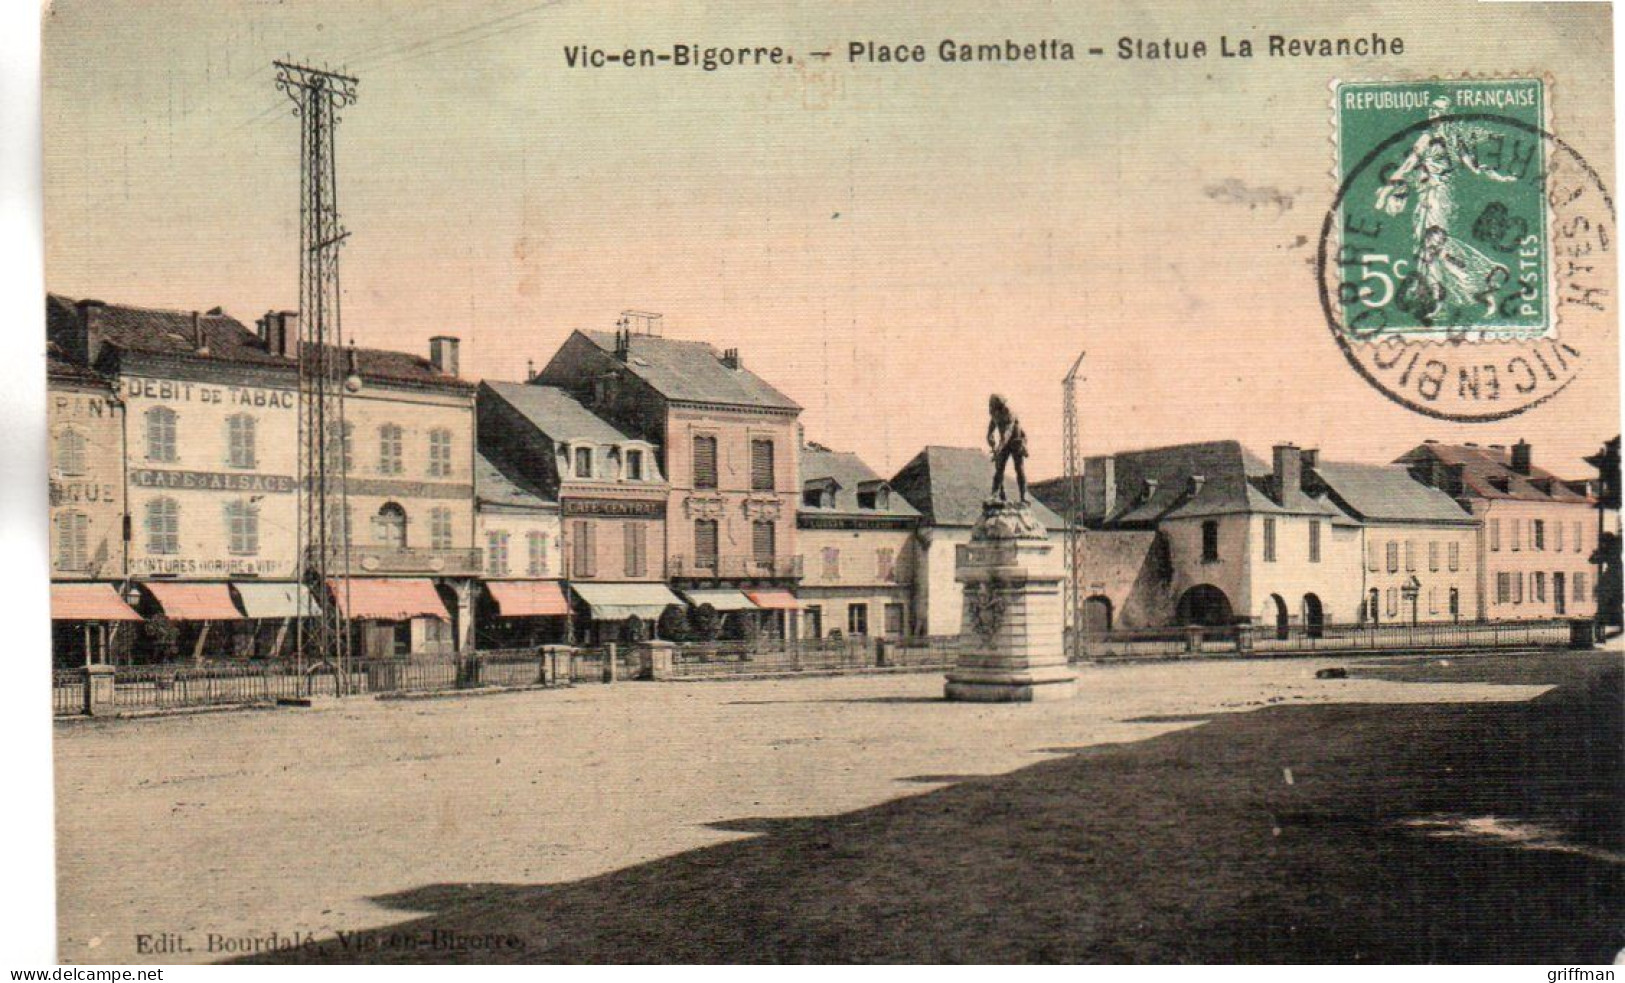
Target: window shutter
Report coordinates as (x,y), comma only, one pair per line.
(761,465)
(705,462)
(762,542)
(705,543)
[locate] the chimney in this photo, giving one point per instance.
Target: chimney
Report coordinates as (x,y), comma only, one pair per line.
(280,330)
(1455,480)
(730,358)
(443,354)
(1311,458)
(1522,457)
(200,342)
(530,370)
(86,344)
(1288,473)
(1099,486)
(623,340)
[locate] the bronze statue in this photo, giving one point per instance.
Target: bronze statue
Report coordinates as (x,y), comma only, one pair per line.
(1008,442)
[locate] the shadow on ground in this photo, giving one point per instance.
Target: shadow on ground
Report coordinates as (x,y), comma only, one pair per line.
(1484,833)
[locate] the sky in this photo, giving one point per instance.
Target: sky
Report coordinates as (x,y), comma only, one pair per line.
(886,244)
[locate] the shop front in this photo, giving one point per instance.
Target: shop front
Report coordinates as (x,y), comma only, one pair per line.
(392,617)
(88,622)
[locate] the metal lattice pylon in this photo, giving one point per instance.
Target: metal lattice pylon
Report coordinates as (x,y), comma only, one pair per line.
(1072,474)
(323,638)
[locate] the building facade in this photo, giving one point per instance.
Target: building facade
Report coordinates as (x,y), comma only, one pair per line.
(855,535)
(1537,534)
(523,602)
(728,447)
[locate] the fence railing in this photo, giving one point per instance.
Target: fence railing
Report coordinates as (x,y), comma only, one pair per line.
(852,653)
(1262,639)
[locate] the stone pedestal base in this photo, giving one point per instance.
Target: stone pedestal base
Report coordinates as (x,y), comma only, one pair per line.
(1011,686)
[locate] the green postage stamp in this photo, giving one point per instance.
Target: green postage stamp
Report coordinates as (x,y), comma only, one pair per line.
(1442,211)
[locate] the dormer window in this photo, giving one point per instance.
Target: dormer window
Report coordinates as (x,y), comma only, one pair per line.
(873,495)
(819,493)
(583,462)
(634,465)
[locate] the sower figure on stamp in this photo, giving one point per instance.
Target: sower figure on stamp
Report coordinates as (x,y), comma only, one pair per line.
(1008,442)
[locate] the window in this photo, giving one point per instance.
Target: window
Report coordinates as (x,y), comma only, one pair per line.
(339,526)
(163,526)
(1393,601)
(70,453)
(1433,555)
(440,528)
(832,563)
(637,549)
(1373,606)
(1579,537)
(857,619)
(1433,600)
(1580,588)
(1314,540)
(72,541)
(161,434)
(761,465)
(705,461)
(389,526)
(1517,587)
(1393,557)
(536,546)
(1503,588)
(1410,554)
(389,449)
(1557,537)
(894,620)
(634,465)
(1455,603)
(439,453)
(240,441)
(1455,556)
(583,462)
(584,556)
(705,544)
(886,565)
(1210,541)
(1537,534)
(1495,534)
(1537,587)
(812,618)
(496,553)
(876,497)
(1517,534)
(1371,560)
(242,528)
(1269,539)
(341,446)
(762,542)
(812,498)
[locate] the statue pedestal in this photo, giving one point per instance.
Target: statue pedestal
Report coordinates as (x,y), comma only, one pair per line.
(1010,638)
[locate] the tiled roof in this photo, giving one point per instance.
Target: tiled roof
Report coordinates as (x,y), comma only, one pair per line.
(848,472)
(1160,483)
(1377,492)
(557,413)
(949,484)
(498,482)
(60,368)
(166,332)
(1486,469)
(692,371)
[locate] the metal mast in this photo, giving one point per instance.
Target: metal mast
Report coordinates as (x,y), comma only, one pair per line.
(1072,470)
(323,638)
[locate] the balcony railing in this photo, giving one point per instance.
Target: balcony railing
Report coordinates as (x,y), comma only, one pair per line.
(367,560)
(733,567)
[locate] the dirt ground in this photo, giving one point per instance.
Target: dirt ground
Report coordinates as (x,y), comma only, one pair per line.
(851,818)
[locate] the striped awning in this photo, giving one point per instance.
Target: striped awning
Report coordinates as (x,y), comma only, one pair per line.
(720,600)
(270,600)
(194,602)
(378,599)
(89,602)
(528,598)
(774,600)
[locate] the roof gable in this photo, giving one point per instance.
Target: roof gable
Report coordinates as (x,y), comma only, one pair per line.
(1487,472)
(949,484)
(844,474)
(691,371)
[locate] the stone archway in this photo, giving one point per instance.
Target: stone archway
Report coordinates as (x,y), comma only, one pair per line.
(1275,608)
(1204,605)
(1097,614)
(1314,616)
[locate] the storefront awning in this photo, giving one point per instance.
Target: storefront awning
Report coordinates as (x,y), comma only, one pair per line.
(275,600)
(194,602)
(369,599)
(89,602)
(774,600)
(528,598)
(721,600)
(617,602)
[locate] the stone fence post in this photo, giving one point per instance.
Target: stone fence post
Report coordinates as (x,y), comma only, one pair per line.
(99,682)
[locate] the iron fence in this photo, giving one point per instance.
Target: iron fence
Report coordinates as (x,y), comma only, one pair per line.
(852,653)
(1253,639)
(67,692)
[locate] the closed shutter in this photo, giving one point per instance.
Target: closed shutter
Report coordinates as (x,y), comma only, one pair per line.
(705,543)
(761,465)
(635,549)
(762,542)
(705,462)
(584,563)
(884,566)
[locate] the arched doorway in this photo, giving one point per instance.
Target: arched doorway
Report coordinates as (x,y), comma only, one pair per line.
(1275,608)
(1097,614)
(1204,605)
(1314,616)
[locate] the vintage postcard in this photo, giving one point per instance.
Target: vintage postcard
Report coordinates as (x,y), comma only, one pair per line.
(801,482)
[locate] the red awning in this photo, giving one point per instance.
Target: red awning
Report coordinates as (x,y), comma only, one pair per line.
(194,602)
(528,598)
(89,602)
(774,600)
(367,599)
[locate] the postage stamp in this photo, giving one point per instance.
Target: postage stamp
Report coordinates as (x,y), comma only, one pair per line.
(1444,222)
